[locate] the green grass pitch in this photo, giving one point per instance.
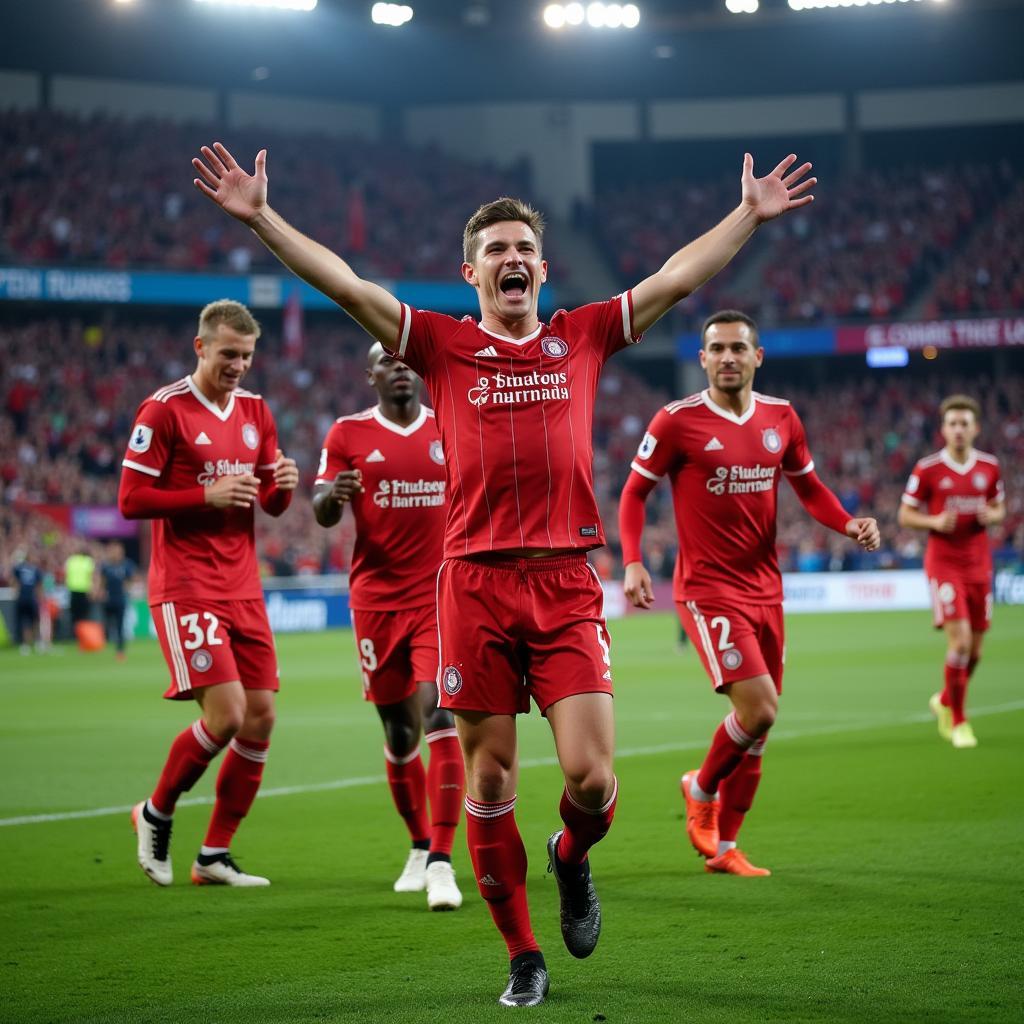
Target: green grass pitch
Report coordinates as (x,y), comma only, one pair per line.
(896,893)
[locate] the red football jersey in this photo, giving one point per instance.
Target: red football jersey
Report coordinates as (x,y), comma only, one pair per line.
(182,440)
(516,422)
(939,483)
(725,473)
(401,513)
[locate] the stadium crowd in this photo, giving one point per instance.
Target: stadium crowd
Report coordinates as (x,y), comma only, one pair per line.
(69,390)
(871,246)
(87,192)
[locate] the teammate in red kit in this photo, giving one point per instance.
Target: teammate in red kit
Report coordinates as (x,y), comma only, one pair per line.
(202,452)
(388,464)
(519,608)
(956,494)
(725,451)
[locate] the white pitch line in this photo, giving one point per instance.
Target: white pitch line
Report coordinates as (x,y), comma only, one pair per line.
(536,762)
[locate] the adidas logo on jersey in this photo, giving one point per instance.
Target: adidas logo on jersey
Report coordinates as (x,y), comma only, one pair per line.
(487,353)
(202,438)
(714,445)
(375,456)
(946,484)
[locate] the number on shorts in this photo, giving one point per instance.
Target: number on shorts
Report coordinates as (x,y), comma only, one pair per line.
(195,631)
(367,655)
(603,644)
(721,623)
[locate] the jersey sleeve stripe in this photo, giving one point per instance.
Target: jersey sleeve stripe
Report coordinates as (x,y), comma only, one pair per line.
(800,472)
(626,299)
(912,502)
(643,472)
(148,470)
(405,321)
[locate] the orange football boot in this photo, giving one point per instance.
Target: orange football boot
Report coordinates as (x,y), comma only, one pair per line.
(734,862)
(701,819)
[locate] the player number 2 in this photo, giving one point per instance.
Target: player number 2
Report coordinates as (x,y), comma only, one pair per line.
(368,656)
(195,631)
(721,623)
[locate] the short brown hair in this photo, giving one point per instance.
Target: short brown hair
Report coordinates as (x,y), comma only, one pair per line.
(503,209)
(728,316)
(227,311)
(960,402)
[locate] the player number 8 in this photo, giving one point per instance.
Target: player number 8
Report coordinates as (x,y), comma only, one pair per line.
(368,657)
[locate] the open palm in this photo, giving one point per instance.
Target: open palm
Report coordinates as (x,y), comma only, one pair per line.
(779,192)
(241,194)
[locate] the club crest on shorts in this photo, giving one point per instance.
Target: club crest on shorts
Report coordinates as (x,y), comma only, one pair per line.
(251,436)
(732,659)
(201,660)
(437,452)
(771,439)
(980,481)
(554,347)
(451,680)
(947,593)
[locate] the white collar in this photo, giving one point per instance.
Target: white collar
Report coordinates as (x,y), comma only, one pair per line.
(512,341)
(962,468)
(724,413)
(403,431)
(222,414)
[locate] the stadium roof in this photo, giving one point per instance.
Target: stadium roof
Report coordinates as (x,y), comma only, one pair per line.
(682,48)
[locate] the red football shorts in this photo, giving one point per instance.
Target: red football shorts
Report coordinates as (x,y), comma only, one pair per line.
(952,598)
(736,641)
(515,628)
(206,642)
(396,651)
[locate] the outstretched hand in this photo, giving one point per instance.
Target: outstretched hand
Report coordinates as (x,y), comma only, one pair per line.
(241,194)
(776,193)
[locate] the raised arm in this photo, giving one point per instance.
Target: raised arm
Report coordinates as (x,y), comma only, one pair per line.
(762,199)
(827,509)
(244,196)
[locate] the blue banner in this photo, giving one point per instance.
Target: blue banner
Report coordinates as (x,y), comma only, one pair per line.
(781,343)
(306,610)
(259,291)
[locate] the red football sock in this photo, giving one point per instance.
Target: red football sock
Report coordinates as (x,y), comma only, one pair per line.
(583,827)
(191,752)
(237,784)
(727,750)
(408,782)
(499,863)
(737,792)
(956,685)
(446,784)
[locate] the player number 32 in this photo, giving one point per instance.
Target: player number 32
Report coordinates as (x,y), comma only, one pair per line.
(196,633)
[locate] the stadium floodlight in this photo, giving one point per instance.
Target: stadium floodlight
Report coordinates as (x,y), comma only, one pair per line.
(596,15)
(393,15)
(742,6)
(282,5)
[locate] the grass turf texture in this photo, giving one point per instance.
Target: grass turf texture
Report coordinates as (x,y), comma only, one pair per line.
(896,859)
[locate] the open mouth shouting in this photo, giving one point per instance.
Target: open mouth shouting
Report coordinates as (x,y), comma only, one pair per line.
(514,284)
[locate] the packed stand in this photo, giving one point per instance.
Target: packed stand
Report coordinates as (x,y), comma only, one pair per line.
(988,276)
(88,192)
(866,248)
